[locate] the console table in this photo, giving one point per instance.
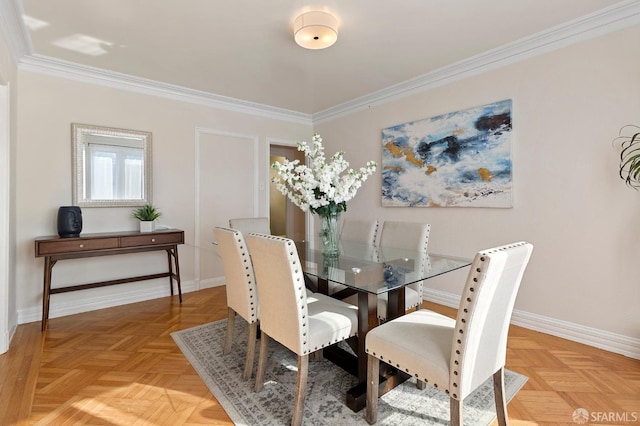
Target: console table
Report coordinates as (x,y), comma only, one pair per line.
(107,244)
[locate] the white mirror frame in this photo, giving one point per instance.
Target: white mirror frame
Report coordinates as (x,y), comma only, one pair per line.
(79,175)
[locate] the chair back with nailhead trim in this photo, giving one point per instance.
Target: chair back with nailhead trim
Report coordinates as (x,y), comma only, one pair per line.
(482,323)
(240,280)
(283,297)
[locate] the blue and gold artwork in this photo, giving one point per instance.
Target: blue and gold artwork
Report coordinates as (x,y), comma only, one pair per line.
(460,159)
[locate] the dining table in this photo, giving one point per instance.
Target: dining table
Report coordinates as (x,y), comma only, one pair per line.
(370,271)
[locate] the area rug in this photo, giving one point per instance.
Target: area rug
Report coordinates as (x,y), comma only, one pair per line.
(405,405)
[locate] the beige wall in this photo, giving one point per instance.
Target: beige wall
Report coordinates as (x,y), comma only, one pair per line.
(48,106)
(568,105)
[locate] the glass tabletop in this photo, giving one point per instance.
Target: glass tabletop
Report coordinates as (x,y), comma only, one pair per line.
(375,269)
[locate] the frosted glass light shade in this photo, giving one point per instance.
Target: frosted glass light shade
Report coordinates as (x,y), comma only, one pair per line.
(315,30)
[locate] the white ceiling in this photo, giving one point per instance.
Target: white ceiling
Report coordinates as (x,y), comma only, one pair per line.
(244,49)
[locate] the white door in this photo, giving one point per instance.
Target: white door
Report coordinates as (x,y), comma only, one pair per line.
(227,187)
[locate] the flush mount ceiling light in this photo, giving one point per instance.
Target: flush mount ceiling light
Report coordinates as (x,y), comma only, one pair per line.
(315,30)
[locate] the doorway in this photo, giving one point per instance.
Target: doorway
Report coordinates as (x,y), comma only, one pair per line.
(286,218)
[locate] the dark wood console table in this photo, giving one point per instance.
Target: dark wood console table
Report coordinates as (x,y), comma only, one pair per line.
(107,244)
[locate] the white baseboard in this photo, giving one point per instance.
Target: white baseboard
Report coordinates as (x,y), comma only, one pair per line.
(60,309)
(7,335)
(611,342)
(441,298)
(5,340)
(211,282)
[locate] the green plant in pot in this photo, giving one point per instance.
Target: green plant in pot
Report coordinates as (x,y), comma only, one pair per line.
(630,155)
(147,215)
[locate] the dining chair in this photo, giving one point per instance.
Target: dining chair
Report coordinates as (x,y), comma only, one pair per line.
(410,236)
(359,231)
(455,356)
(242,294)
(363,233)
(287,314)
(247,225)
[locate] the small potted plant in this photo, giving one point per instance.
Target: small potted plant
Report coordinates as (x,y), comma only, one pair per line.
(147,215)
(630,155)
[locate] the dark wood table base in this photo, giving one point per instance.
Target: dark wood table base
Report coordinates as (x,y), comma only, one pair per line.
(357,396)
(357,364)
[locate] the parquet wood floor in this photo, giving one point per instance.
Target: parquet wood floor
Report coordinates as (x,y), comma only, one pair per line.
(119,366)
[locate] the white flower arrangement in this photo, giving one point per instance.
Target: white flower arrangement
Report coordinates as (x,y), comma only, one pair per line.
(320,187)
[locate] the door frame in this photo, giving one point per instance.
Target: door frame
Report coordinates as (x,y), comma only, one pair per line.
(6,326)
(308,222)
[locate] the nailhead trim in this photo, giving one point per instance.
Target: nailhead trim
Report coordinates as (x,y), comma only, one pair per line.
(468,302)
(292,254)
(242,248)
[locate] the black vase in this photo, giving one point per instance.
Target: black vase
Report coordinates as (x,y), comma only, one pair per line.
(69,221)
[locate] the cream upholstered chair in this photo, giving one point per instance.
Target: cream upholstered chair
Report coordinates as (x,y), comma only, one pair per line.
(246,225)
(242,296)
(360,231)
(413,236)
(455,356)
(286,315)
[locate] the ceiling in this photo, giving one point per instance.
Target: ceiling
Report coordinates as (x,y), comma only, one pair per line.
(244,49)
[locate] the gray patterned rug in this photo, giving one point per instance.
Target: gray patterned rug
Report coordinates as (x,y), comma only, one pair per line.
(405,405)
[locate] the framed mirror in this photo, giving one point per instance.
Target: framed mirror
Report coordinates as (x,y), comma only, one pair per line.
(111,167)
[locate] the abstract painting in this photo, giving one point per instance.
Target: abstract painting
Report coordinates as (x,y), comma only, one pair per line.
(460,159)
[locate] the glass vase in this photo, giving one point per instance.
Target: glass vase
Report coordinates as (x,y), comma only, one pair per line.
(330,234)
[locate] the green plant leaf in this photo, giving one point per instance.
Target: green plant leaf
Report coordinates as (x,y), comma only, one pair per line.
(629,169)
(146,213)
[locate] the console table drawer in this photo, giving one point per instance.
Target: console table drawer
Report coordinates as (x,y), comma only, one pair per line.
(150,240)
(75,245)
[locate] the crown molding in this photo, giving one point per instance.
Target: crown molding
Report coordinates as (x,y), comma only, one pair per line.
(69,70)
(21,48)
(13,29)
(619,16)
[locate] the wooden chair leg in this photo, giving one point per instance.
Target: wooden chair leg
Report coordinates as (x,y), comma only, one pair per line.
(262,361)
(231,316)
(251,350)
(373,382)
(318,355)
(456,412)
(501,402)
(421,385)
(301,390)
